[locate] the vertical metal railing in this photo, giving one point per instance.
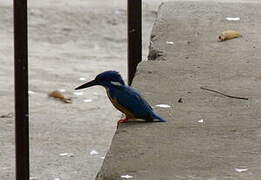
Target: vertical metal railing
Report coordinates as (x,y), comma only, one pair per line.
(134,37)
(21,90)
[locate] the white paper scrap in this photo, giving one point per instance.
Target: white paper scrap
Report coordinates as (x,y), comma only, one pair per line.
(57,179)
(33,178)
(233,18)
(201,120)
(163,105)
(82,79)
(30,92)
(241,170)
(78,93)
(126,176)
(87,100)
(62,90)
(170,42)
(103,157)
(67,154)
(93,152)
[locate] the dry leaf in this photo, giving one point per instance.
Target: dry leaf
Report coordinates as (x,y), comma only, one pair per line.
(60,96)
(227,35)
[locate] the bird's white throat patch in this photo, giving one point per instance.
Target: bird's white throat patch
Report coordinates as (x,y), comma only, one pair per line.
(116,83)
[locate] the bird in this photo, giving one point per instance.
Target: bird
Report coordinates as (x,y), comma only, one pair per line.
(123,97)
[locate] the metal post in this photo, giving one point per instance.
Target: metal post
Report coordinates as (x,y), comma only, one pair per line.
(21,90)
(134,37)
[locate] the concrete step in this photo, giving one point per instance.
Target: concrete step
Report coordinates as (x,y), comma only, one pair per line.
(208,135)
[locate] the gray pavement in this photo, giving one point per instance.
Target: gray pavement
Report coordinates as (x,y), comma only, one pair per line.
(69,41)
(207,136)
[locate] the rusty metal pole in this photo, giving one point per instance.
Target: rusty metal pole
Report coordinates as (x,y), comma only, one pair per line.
(21,90)
(134,37)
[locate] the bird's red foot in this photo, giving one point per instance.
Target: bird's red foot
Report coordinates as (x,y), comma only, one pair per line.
(122,121)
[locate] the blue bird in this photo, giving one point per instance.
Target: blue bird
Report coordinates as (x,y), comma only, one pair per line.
(124,98)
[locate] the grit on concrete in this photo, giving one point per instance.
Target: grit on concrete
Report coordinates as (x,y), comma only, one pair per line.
(67,40)
(208,136)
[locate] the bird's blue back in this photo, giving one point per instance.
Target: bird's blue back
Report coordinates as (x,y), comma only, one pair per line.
(130,99)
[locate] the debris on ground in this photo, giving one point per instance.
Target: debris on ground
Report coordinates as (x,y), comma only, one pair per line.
(127,176)
(180,100)
(233,18)
(163,105)
(241,169)
(201,120)
(170,42)
(227,35)
(82,79)
(93,152)
(78,93)
(9,115)
(67,154)
(58,95)
(226,95)
(87,100)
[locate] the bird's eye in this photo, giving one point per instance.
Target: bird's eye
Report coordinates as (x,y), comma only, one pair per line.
(116,83)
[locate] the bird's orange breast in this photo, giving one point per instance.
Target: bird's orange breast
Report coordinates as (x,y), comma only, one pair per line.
(124,110)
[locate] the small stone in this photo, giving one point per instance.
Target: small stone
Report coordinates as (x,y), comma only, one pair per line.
(180,100)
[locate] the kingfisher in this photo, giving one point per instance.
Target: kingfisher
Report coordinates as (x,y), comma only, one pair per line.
(124,98)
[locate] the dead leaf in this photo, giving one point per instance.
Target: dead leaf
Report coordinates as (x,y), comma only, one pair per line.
(58,95)
(227,35)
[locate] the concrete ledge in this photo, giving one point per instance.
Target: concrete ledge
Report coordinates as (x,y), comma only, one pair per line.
(226,143)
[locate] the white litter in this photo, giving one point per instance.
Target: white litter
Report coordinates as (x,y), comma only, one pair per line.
(82,79)
(201,120)
(93,152)
(118,11)
(67,154)
(240,170)
(30,92)
(163,105)
(62,90)
(87,100)
(126,176)
(103,157)
(57,179)
(33,178)
(233,18)
(170,42)
(78,93)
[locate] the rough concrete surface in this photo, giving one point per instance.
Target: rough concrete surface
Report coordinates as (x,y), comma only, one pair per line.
(208,136)
(68,40)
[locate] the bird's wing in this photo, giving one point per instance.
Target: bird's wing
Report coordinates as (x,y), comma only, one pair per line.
(130,99)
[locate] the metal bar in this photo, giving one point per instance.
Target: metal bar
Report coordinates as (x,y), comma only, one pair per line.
(134,37)
(21,90)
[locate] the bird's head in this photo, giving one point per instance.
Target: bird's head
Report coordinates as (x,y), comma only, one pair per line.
(106,79)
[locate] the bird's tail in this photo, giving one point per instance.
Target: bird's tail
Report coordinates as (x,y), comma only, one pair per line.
(157,117)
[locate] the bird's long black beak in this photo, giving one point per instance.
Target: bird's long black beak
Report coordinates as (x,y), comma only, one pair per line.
(88,84)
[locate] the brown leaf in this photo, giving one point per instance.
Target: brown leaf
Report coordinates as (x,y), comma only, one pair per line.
(227,35)
(58,95)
